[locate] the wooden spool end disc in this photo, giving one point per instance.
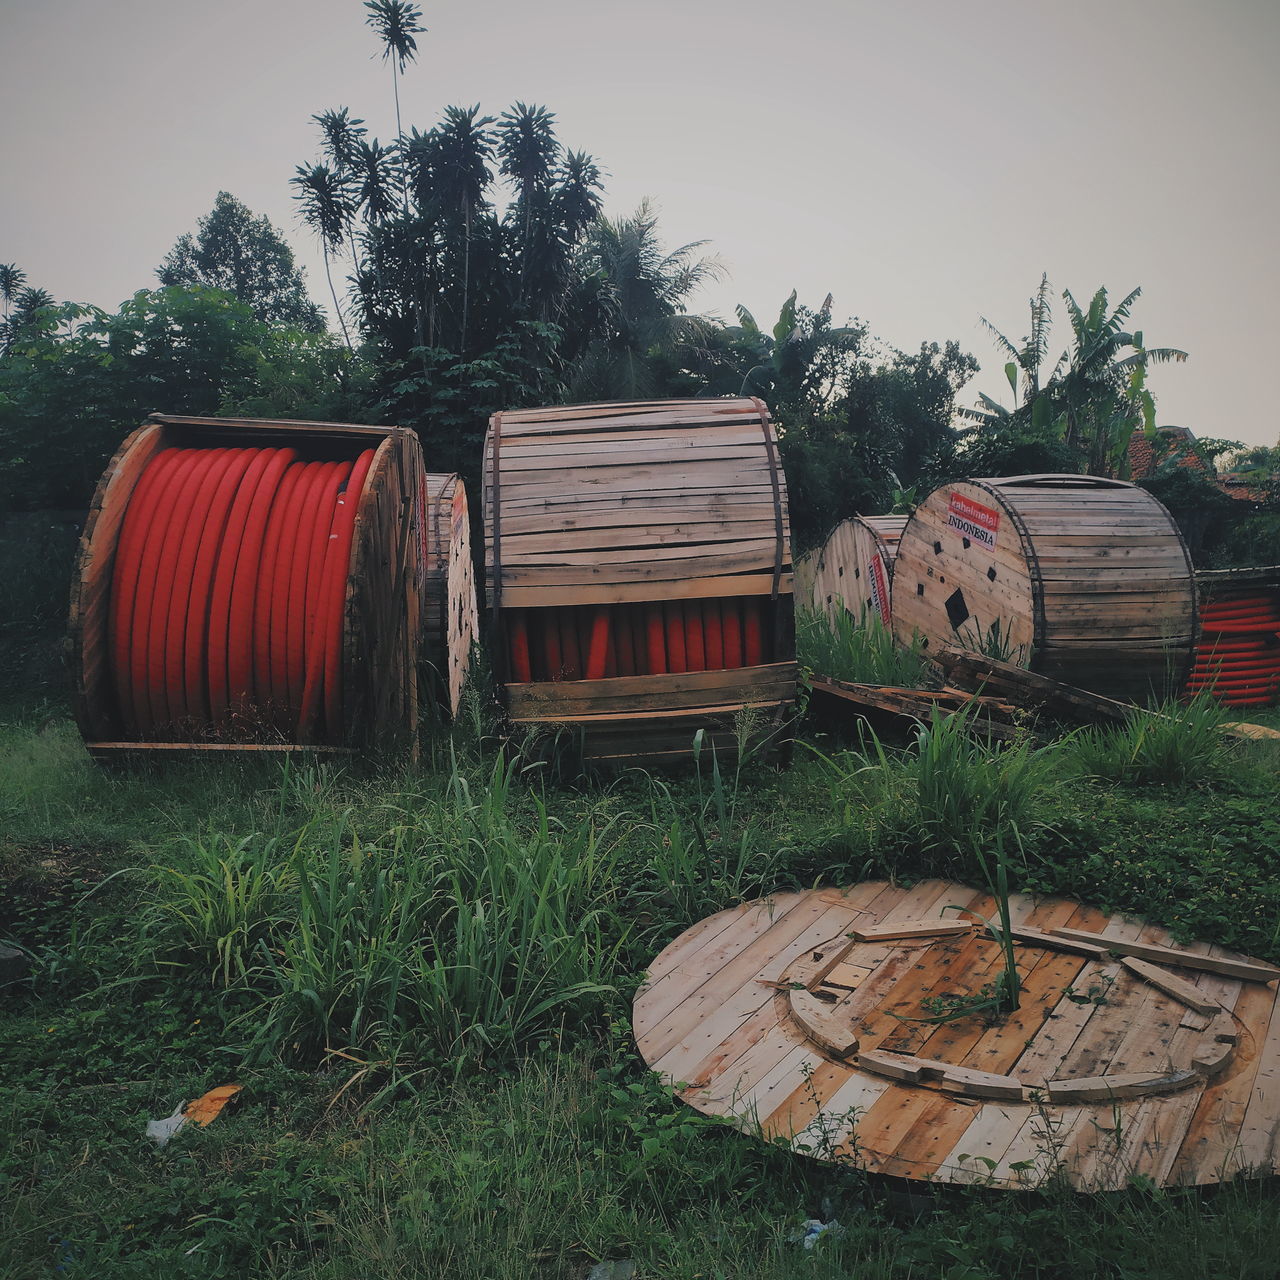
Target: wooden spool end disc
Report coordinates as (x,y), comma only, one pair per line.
(845,1024)
(451,617)
(850,573)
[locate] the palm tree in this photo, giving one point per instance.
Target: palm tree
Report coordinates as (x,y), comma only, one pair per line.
(397,23)
(461,149)
(327,208)
(642,292)
(340,137)
(528,151)
(12,278)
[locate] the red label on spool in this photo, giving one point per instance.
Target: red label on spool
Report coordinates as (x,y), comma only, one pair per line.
(879,587)
(978,523)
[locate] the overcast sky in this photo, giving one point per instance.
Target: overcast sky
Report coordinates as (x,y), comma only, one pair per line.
(922,160)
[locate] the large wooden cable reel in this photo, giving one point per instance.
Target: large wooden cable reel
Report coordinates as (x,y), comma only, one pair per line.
(233,521)
(1080,578)
(852,570)
(835,1021)
(639,576)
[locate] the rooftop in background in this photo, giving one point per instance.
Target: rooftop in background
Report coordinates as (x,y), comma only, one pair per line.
(1145,459)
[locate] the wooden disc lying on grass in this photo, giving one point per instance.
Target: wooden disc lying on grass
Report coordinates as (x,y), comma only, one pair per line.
(849,1024)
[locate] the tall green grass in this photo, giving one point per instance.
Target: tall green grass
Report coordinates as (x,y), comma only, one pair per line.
(1173,742)
(950,796)
(459,934)
(860,649)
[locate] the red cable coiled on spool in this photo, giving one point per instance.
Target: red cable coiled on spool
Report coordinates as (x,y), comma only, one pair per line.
(594,642)
(1238,660)
(228,594)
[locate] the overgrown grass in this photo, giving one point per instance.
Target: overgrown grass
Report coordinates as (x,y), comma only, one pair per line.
(450,954)
(951,796)
(861,650)
(1174,742)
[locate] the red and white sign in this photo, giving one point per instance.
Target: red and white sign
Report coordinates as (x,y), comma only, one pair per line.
(977,522)
(879,587)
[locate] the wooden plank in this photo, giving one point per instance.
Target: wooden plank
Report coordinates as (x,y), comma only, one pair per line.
(911,929)
(272,425)
(639,592)
(733,968)
(1137,1084)
(899,1066)
(1172,985)
(1042,938)
(1249,971)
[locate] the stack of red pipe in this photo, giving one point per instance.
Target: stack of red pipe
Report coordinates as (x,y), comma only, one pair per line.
(228,593)
(1238,661)
(594,642)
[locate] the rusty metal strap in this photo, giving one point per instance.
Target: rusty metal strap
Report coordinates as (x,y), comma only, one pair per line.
(779,523)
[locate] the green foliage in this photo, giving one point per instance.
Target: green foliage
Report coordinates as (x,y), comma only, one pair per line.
(862,649)
(1015,448)
(1091,401)
(639,292)
(858,425)
(246,257)
(1175,742)
(78,380)
(428,1152)
(951,801)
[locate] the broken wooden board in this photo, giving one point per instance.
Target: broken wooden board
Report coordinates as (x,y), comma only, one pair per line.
(988,717)
(1186,992)
(1249,971)
(976,1084)
(1027,688)
(911,929)
(1138,1084)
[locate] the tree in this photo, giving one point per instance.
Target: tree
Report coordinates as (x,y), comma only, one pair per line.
(327,208)
(12,278)
(637,293)
(396,23)
(802,366)
(1102,393)
(77,379)
(1092,400)
(247,258)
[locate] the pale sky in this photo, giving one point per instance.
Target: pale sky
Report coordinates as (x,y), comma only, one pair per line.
(922,160)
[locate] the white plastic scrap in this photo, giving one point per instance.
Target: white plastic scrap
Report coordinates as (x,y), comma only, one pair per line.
(160,1131)
(812,1231)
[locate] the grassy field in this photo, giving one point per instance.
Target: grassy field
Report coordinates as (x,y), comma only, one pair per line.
(423,981)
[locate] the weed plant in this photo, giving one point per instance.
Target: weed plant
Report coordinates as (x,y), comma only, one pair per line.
(950,796)
(1173,743)
(859,649)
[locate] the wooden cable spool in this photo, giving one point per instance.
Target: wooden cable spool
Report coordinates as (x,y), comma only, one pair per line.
(250,585)
(1081,579)
(450,617)
(638,566)
(849,1025)
(852,570)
